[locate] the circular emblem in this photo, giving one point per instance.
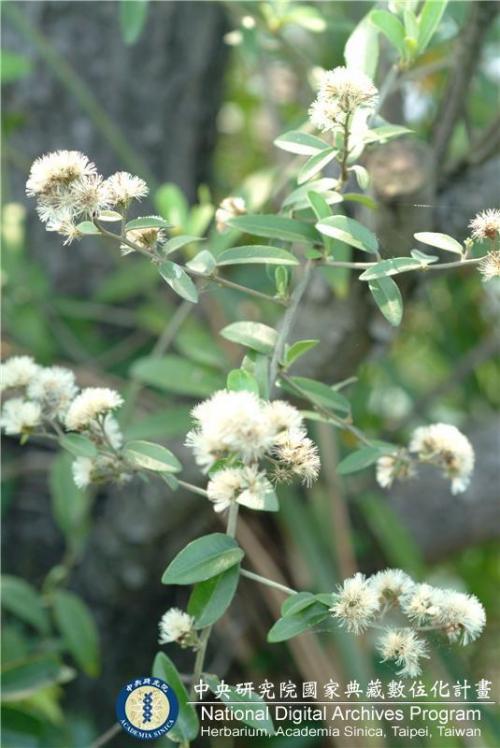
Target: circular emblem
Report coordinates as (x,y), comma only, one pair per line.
(147,708)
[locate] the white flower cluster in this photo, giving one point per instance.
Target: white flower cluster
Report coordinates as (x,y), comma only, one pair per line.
(177,626)
(342,93)
(68,189)
(440,444)
(47,400)
(243,430)
(361,603)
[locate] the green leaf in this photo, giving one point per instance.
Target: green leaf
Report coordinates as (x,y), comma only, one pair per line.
(315,164)
(109,215)
(133,14)
(20,679)
(202,559)
(388,299)
(176,374)
(21,599)
(204,262)
(210,599)
(239,380)
(179,281)
(298,349)
(361,49)
(349,231)
(424,258)
(87,227)
(254,707)
(70,505)
(428,21)
(441,241)
(275,227)
(297,602)
(318,204)
(76,624)
(152,457)
(13,67)
(299,198)
(385,132)
(361,459)
(177,242)
(256,254)
(301,143)
(78,445)
(391,27)
(147,222)
(393,266)
(321,394)
(254,335)
(187,725)
(362,176)
(296,623)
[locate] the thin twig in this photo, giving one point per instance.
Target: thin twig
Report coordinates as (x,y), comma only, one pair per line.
(107,736)
(287,323)
(267,582)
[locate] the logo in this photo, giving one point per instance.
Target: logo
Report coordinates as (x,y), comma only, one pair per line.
(147,708)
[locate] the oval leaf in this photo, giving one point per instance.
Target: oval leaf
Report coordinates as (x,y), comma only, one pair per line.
(176,374)
(177,242)
(315,164)
(78,445)
(239,380)
(275,227)
(256,254)
(202,559)
(321,394)
(76,624)
(296,623)
(301,143)
(392,267)
(210,599)
(441,241)
(21,599)
(360,459)
(179,281)
(388,299)
(349,231)
(152,457)
(147,222)
(254,335)
(187,725)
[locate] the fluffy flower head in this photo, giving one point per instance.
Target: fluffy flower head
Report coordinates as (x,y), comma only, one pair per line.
(246,486)
(91,403)
(297,457)
(405,648)
(489,267)
(20,416)
(57,170)
(176,626)
(391,583)
(462,616)
(486,225)
(422,603)
(357,604)
(230,423)
(54,388)
(445,446)
(17,371)
(393,467)
(123,187)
